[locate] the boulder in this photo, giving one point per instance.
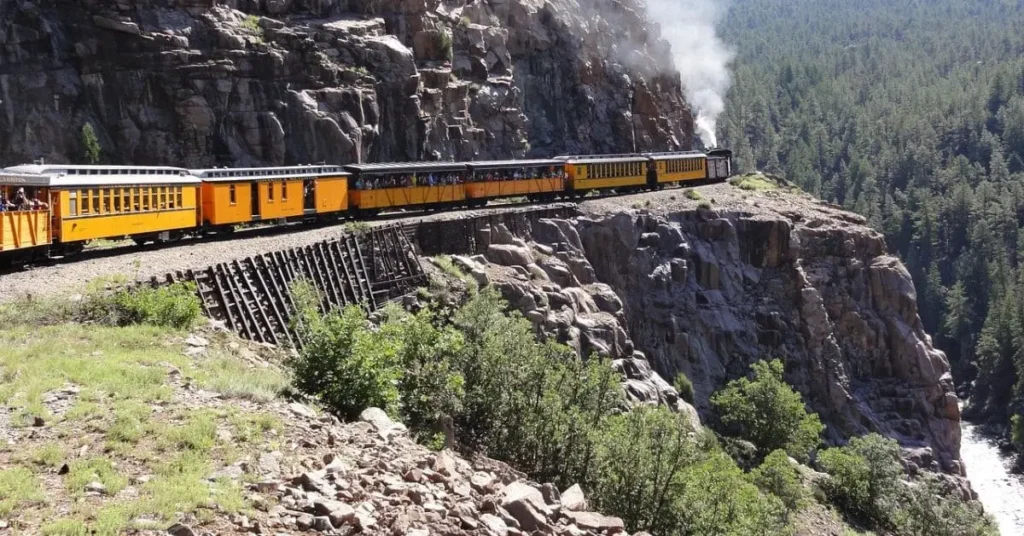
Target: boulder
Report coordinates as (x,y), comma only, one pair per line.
(508,255)
(573,500)
(595,521)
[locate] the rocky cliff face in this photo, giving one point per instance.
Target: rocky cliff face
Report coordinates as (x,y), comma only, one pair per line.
(761,276)
(201,83)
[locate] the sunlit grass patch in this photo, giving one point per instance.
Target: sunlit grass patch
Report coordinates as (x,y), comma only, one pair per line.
(753,182)
(18,487)
(251,427)
(48,455)
(96,469)
(109,363)
(65,527)
(198,433)
(234,378)
(130,424)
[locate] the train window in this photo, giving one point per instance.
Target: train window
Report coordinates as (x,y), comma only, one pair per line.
(117,199)
(73,203)
(106,200)
(96,201)
(231,194)
(153,198)
(178,197)
(163,197)
(284,191)
(270,191)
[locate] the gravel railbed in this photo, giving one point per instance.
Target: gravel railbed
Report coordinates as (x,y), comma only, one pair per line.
(72,276)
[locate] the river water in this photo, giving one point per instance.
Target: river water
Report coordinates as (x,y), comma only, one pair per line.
(1001,492)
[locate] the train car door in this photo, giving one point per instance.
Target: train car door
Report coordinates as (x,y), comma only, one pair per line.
(309,195)
(254,195)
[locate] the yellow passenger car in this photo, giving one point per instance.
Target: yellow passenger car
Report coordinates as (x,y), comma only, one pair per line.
(24,216)
(91,202)
(614,172)
(244,195)
(535,179)
(679,167)
(414,185)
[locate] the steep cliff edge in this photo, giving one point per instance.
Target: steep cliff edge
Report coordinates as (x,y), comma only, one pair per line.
(759,275)
(199,83)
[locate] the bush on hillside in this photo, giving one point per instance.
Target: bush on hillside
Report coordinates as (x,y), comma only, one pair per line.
(928,509)
(864,478)
(430,386)
(534,405)
(777,476)
(174,306)
(661,476)
(640,458)
(348,367)
(684,387)
(768,412)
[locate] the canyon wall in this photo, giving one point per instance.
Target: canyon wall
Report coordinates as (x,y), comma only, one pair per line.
(200,83)
(663,286)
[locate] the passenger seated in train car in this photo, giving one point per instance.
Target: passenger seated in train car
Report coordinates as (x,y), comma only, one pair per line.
(5,205)
(29,201)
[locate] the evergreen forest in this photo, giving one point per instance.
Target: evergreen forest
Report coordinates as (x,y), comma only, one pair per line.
(912,114)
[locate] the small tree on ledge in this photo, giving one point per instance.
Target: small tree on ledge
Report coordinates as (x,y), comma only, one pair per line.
(90,145)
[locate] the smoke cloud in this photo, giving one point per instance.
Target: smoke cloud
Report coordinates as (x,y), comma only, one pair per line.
(701,58)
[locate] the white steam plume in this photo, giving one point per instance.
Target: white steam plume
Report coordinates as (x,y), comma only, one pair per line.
(701,58)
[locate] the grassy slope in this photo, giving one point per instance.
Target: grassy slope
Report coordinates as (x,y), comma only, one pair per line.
(136,410)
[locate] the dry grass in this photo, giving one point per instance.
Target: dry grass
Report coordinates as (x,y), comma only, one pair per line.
(125,413)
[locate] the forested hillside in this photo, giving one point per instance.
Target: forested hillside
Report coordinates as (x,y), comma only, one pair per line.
(911,113)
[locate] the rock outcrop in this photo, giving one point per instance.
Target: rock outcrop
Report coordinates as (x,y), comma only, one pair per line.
(557,290)
(675,288)
(199,83)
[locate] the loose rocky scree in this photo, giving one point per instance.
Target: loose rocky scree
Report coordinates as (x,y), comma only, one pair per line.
(309,473)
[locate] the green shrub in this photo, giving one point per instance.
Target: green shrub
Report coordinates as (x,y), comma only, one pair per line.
(444,44)
(174,306)
(717,498)
(348,367)
(692,194)
(768,412)
(777,476)
(927,509)
(639,458)
(864,478)
(91,150)
(660,476)
(430,386)
(251,23)
(704,205)
(532,404)
(684,387)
